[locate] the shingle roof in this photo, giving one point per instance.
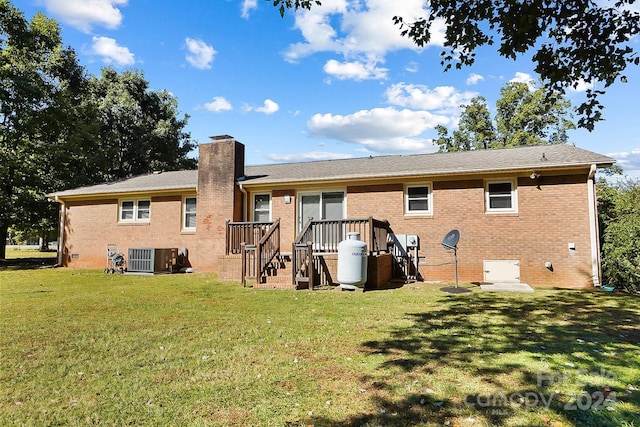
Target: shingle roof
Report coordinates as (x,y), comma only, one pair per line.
(479,161)
(176,180)
(467,162)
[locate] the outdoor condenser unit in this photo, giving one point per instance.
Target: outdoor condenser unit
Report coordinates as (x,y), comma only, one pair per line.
(151,260)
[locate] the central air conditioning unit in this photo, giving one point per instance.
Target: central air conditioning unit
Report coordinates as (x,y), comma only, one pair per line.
(151,260)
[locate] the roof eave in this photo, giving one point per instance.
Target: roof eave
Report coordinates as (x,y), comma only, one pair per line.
(431,175)
(62,197)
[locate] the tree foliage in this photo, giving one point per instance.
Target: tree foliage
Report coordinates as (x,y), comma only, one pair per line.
(61,129)
(572,41)
(41,84)
(523,117)
(531,117)
(475,129)
(619,216)
(139,129)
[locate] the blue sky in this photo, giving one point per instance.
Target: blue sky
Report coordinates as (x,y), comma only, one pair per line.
(335,82)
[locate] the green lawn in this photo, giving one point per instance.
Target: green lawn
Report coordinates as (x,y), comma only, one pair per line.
(79,347)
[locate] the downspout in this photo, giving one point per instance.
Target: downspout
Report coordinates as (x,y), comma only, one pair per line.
(62,222)
(596,275)
(244,200)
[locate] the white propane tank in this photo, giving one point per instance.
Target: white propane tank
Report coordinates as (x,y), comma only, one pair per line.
(352,262)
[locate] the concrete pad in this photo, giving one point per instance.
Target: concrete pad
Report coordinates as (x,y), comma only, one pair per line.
(506,287)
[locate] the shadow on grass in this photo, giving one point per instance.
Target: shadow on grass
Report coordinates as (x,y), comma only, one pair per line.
(27,263)
(574,333)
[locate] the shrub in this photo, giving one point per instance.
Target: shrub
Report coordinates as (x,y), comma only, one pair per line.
(620,227)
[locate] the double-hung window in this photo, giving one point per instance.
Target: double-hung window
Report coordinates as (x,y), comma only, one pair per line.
(501,196)
(418,200)
(135,210)
(262,207)
(189,213)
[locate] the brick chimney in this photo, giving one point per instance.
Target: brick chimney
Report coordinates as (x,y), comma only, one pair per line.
(220,164)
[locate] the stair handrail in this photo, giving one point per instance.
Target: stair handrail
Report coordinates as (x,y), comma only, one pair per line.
(268,248)
(249,232)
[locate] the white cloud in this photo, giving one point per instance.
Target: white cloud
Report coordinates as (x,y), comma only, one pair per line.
(412,67)
(629,161)
(443,98)
(111,52)
(357,28)
(269,107)
(415,110)
(200,54)
(474,79)
(218,104)
(306,157)
(523,78)
(379,129)
(582,86)
(248,6)
(355,70)
(84,14)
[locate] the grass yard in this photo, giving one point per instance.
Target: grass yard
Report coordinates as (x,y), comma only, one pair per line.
(79,347)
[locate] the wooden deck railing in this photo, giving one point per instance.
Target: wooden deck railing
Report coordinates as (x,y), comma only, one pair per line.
(256,258)
(268,248)
(248,233)
(326,234)
(259,245)
(321,237)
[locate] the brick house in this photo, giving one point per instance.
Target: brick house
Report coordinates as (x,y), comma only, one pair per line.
(526,213)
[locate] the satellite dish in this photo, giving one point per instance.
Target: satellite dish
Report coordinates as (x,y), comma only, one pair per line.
(450,241)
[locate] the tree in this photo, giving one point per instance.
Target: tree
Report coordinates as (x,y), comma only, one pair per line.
(139,129)
(60,129)
(523,117)
(531,117)
(573,41)
(619,217)
(41,83)
(475,129)
(475,125)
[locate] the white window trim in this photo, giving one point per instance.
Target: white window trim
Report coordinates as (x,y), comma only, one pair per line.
(514,196)
(302,221)
(184,213)
(428,211)
(135,211)
(253,204)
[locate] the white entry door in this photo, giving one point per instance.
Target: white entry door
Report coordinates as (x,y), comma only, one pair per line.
(502,270)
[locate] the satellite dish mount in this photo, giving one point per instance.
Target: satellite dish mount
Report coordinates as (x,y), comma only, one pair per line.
(450,242)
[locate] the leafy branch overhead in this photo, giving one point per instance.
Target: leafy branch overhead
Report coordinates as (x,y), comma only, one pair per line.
(572,41)
(283,5)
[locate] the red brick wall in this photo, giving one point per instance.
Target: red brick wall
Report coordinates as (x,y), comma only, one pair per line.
(287,214)
(552,212)
(549,217)
(90,226)
(221,163)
